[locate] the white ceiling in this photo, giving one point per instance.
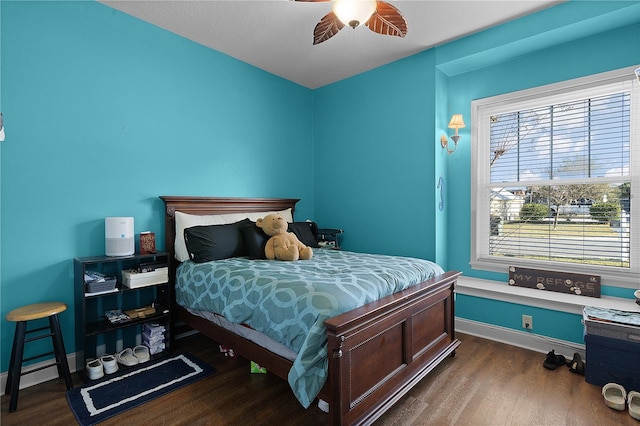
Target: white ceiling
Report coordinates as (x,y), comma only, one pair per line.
(277,35)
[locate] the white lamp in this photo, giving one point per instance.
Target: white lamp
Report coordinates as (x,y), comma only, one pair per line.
(354,12)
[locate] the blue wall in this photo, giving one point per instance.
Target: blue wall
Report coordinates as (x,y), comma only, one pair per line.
(498,66)
(103,114)
(616,49)
(374,158)
(377,150)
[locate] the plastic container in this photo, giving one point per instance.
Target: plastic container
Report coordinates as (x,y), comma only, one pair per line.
(100,286)
(612,360)
(593,327)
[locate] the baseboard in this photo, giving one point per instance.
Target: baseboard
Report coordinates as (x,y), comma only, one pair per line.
(508,336)
(521,339)
(51,373)
(38,377)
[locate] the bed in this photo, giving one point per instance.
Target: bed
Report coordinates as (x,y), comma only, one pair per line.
(374,353)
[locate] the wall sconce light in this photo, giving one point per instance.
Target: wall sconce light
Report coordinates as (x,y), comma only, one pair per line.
(456,123)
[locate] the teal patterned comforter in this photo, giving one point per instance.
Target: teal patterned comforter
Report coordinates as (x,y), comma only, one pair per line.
(289,301)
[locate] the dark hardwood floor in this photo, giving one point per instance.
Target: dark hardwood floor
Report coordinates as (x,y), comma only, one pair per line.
(486,383)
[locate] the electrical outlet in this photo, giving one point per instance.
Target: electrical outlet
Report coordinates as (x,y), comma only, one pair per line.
(527,322)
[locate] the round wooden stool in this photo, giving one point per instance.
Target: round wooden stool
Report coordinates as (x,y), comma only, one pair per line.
(20,316)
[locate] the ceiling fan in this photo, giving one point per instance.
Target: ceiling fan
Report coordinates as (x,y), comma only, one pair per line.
(379,16)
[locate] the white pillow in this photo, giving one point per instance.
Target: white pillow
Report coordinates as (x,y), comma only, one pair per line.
(184,220)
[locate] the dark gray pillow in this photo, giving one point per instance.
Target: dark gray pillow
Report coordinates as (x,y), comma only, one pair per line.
(303,231)
(215,242)
(254,240)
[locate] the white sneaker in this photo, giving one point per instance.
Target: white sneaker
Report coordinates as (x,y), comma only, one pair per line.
(109,363)
(95,370)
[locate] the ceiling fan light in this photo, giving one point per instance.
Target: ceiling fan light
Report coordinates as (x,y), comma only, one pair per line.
(354,12)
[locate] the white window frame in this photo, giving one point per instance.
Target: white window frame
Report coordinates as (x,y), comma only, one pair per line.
(481,109)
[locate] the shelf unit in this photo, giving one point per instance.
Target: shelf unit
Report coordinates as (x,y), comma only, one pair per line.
(329,238)
(95,336)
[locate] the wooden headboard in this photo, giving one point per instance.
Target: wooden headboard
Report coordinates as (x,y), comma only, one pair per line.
(215,205)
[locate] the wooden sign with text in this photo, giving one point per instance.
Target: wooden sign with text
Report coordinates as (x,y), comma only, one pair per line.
(561,282)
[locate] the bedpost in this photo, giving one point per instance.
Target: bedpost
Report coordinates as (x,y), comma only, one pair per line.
(334,381)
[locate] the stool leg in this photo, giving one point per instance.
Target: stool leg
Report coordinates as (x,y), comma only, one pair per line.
(61,354)
(15,365)
(12,360)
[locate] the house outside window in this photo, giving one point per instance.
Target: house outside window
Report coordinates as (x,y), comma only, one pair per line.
(556,173)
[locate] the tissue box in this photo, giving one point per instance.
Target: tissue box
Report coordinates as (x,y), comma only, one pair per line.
(153,337)
(153,329)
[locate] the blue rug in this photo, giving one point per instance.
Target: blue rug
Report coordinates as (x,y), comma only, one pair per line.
(99,400)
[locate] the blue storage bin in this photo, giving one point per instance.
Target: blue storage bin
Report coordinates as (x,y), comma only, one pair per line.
(612,360)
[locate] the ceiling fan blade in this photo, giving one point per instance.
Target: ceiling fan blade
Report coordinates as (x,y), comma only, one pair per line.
(387,20)
(328,26)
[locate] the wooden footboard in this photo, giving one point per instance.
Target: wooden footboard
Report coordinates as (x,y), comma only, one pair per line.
(378,352)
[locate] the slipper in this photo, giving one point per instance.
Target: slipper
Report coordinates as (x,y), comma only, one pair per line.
(127,358)
(109,363)
(634,404)
(552,361)
(615,396)
(142,353)
(576,365)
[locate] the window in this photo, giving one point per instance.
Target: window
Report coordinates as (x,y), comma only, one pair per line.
(555,174)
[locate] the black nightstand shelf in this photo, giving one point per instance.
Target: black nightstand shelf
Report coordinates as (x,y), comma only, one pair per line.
(101,327)
(329,238)
(95,336)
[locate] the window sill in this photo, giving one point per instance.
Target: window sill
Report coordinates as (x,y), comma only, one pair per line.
(470,286)
(607,278)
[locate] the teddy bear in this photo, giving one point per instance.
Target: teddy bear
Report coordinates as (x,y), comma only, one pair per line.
(282,245)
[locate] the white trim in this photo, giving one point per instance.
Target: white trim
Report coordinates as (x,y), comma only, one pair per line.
(520,339)
(465,285)
(571,303)
(480,259)
(51,373)
(610,278)
(41,376)
(590,81)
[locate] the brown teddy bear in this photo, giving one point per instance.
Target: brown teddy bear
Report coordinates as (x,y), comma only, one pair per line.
(282,245)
